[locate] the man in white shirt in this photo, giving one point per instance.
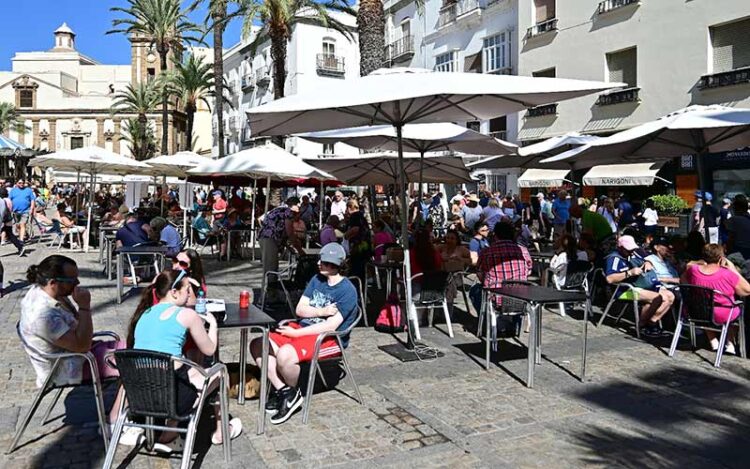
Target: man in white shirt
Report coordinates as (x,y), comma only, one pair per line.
(338,205)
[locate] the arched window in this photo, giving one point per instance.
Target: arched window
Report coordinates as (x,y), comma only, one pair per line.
(329,46)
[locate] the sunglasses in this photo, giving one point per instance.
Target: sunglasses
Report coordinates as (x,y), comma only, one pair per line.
(183,264)
(70,280)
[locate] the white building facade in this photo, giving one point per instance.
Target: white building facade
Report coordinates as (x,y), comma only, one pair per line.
(476,36)
(670,54)
(315,56)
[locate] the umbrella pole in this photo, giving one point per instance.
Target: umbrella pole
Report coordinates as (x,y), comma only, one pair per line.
(88,217)
(163,186)
(412,312)
(421,172)
(268,195)
(252,216)
(321,199)
(78,192)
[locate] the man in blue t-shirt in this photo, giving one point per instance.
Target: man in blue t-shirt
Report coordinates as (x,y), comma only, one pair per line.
(22,199)
(167,234)
(328,304)
(132,232)
(623,266)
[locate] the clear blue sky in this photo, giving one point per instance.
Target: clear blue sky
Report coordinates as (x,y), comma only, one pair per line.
(28,26)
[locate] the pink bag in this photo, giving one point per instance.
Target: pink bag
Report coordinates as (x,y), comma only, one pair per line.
(100,350)
(390,320)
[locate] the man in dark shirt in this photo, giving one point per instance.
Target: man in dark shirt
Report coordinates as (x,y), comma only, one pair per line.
(132,233)
(709,216)
(625,211)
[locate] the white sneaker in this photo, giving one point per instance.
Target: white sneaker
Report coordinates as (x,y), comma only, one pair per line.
(714,344)
(131,436)
(729,349)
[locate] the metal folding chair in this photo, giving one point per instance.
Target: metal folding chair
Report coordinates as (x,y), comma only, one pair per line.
(360,296)
(619,290)
(50,386)
(697,311)
(489,313)
(148,379)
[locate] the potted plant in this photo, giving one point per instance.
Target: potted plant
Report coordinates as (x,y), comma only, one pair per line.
(669,208)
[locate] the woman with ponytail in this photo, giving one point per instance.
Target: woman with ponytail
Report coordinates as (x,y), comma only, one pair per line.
(162,323)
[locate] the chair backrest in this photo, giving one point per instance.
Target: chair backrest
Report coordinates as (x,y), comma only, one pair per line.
(697,302)
(576,274)
(513,305)
(305,270)
(149,381)
(434,285)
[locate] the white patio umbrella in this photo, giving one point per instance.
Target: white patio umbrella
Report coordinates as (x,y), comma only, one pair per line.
(92,160)
(633,174)
(693,130)
(398,97)
(420,138)
(176,165)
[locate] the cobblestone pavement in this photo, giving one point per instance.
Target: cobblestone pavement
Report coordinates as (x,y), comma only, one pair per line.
(637,408)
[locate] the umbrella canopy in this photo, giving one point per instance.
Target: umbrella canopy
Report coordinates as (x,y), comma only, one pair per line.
(420,138)
(9,147)
(176,165)
(383,168)
(261,162)
(530,156)
(543,178)
(692,130)
(635,174)
(92,159)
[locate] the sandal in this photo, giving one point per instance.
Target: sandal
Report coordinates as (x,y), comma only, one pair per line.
(235,428)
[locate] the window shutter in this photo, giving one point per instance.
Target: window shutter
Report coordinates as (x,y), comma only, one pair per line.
(545,10)
(731,46)
(623,67)
(473,63)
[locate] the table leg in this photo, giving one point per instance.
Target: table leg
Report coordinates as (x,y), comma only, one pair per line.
(530,359)
(101,246)
(229,244)
(109,259)
(263,384)
(119,279)
(538,314)
(243,365)
(367,269)
(585,338)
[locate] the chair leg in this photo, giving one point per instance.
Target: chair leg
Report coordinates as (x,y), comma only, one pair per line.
(32,410)
(741,339)
(224,409)
(51,406)
(322,377)
(112,448)
(693,341)
(447,318)
(637,313)
(101,413)
(676,338)
(487,337)
(310,387)
(187,451)
(722,342)
(606,310)
(348,372)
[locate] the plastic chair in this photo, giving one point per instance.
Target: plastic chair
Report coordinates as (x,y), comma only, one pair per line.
(148,379)
(432,293)
(315,365)
(697,311)
(49,386)
(577,275)
(298,275)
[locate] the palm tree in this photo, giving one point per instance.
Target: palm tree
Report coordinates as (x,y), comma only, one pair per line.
(9,117)
(192,81)
(140,99)
(166,25)
(371,30)
(140,136)
(277,19)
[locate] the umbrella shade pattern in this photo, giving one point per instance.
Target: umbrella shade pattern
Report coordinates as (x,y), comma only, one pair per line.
(93,160)
(420,138)
(176,165)
(692,130)
(370,169)
(399,97)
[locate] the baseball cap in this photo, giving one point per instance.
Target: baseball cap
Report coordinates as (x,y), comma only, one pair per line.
(627,242)
(660,241)
(708,196)
(727,200)
(217,192)
(332,253)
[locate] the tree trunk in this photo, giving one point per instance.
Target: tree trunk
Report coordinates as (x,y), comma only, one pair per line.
(190,118)
(371,29)
(220,11)
(164,106)
(142,150)
(278,56)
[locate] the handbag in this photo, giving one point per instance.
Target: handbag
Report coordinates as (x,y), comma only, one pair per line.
(390,320)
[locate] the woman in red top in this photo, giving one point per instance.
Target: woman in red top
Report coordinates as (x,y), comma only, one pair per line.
(424,257)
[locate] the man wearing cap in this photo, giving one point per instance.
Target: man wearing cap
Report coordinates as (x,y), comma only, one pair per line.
(661,260)
(625,266)
(167,234)
(218,208)
(471,212)
(709,216)
(329,303)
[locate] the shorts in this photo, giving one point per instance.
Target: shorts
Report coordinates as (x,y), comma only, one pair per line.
(21,217)
(186,392)
(305,345)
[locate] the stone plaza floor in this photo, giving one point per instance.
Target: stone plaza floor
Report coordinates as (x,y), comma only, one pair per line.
(638,407)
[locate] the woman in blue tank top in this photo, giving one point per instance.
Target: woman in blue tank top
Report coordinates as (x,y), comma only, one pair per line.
(161,323)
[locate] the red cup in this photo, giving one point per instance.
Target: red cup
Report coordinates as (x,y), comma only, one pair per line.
(245,299)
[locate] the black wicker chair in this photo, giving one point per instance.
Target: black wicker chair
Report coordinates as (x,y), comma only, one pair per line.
(151,393)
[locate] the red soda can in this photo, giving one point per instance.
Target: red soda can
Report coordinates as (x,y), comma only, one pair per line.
(245,299)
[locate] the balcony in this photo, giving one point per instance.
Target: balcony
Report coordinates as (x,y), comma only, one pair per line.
(248,83)
(543,110)
(544,27)
(400,49)
(718,80)
(455,11)
(627,95)
(330,65)
(499,134)
(263,76)
(610,5)
(501,71)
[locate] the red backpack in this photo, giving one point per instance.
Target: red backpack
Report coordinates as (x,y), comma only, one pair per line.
(390,320)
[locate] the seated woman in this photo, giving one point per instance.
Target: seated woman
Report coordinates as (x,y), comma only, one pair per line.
(424,257)
(46,224)
(164,327)
(716,272)
(190,261)
(67,225)
(455,258)
(115,216)
(329,232)
(380,238)
(566,252)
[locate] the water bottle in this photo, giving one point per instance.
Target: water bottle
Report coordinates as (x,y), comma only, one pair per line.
(200,304)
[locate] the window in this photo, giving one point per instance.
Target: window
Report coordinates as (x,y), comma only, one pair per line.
(151,74)
(76,142)
(328,148)
(406,28)
(546,73)
(498,124)
(730,45)
(447,62)
(622,67)
(26,98)
(473,125)
(329,47)
(497,53)
(544,10)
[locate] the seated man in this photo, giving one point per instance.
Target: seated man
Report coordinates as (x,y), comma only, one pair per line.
(132,232)
(167,234)
(661,260)
(329,303)
(624,266)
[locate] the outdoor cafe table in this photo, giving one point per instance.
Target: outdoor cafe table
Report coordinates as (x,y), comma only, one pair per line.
(543,260)
(158,251)
(537,297)
(236,231)
(106,240)
(246,320)
(390,267)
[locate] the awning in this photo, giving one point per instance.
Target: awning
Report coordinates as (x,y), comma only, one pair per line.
(543,178)
(636,174)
